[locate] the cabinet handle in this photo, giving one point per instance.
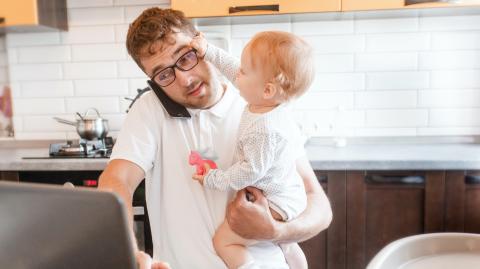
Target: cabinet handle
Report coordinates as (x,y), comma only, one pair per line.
(413,2)
(470,179)
(378,179)
(253,8)
(322,178)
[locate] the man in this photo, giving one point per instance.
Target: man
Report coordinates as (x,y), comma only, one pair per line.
(157,138)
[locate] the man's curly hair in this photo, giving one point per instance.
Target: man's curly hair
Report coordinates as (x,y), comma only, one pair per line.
(153,28)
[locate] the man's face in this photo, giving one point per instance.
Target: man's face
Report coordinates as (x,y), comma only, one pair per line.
(198,87)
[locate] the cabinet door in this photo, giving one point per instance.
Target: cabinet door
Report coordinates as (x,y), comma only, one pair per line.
(19,12)
(212,8)
(462,201)
(33,15)
(385,206)
(9,175)
(348,5)
(328,249)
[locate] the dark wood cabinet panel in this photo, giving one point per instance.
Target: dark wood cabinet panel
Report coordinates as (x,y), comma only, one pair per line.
(462,201)
(434,202)
(9,175)
(388,205)
(472,206)
(328,249)
(336,234)
(315,250)
(455,201)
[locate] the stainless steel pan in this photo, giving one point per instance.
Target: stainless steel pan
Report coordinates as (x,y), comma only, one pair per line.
(89,128)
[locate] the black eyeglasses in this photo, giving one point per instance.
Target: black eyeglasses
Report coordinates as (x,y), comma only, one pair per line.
(186,62)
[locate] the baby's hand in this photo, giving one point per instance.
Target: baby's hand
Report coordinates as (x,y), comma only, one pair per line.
(204,171)
(200,44)
(198,178)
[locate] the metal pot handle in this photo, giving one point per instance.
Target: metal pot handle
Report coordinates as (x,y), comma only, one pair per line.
(90,109)
(65,121)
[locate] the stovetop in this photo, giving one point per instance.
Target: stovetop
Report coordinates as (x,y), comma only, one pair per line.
(79,149)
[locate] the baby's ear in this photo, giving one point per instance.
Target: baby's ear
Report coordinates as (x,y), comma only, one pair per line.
(270,91)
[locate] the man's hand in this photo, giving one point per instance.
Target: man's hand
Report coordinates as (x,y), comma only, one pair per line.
(251,218)
(144,261)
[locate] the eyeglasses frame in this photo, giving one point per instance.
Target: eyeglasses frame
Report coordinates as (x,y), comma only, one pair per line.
(173,66)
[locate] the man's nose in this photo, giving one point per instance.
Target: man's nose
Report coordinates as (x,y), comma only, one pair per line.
(184,78)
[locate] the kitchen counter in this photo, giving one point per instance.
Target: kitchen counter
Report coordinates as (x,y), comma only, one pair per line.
(396,153)
(396,157)
(374,154)
(11,160)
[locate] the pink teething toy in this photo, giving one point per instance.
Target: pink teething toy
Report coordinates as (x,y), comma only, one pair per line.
(196,159)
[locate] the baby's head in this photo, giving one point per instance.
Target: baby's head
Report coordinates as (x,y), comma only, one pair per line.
(284,60)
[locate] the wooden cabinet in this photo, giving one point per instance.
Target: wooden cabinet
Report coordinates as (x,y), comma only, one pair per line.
(385,206)
(33,15)
(462,212)
(9,175)
(327,250)
(214,8)
(350,5)
(372,209)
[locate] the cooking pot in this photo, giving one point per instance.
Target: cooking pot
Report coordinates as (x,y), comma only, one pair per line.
(88,127)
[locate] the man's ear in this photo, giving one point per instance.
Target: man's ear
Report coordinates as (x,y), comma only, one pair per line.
(270,91)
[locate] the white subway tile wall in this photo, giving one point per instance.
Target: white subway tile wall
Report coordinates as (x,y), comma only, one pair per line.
(390,76)
(3,63)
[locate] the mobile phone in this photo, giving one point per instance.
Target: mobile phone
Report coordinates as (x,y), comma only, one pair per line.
(173,108)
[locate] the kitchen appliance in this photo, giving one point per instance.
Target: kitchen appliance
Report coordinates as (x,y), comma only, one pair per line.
(88,127)
(82,149)
(79,149)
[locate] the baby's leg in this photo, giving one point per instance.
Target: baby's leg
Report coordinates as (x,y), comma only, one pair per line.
(231,247)
(292,252)
(294,255)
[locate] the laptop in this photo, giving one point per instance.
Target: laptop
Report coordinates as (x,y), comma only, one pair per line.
(46,226)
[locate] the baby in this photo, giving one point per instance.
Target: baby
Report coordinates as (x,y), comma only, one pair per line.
(275,67)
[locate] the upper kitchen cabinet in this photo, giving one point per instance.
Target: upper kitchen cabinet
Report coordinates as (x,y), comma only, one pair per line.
(33,15)
(215,8)
(350,5)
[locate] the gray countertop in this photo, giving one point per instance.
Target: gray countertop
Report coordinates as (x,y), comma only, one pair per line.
(11,159)
(396,157)
(323,156)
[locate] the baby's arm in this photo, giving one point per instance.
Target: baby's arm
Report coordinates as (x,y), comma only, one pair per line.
(227,64)
(259,150)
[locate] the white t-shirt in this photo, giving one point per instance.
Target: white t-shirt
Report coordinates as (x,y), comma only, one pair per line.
(183,214)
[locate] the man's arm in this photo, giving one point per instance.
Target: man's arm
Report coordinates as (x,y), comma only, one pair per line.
(122,177)
(253,220)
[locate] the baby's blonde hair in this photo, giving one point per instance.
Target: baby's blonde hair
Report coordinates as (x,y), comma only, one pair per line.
(285,59)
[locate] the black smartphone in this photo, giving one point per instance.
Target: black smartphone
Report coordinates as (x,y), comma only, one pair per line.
(173,108)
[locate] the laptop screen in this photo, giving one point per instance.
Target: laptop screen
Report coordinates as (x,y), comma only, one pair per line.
(45,226)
